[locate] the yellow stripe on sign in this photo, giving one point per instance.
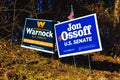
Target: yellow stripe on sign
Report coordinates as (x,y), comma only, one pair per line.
(38,42)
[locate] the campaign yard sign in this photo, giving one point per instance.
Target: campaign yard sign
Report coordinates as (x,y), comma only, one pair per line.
(38,34)
(78,36)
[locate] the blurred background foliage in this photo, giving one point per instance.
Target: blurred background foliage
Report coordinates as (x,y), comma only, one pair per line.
(14,12)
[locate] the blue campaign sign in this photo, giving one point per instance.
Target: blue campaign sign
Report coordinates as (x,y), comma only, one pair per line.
(38,34)
(78,36)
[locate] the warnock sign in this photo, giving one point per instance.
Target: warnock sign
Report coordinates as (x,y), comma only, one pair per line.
(38,34)
(78,36)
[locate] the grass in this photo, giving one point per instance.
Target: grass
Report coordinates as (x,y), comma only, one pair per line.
(18,63)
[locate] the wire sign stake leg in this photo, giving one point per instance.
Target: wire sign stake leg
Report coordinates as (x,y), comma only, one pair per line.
(74,61)
(89,61)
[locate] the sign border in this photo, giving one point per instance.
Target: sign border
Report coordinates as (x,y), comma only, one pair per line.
(47,51)
(83,52)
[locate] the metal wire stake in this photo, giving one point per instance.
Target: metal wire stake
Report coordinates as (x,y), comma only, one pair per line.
(74,61)
(89,61)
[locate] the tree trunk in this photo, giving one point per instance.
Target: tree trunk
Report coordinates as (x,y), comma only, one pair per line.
(116,12)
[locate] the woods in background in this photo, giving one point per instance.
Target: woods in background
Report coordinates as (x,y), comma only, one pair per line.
(14,12)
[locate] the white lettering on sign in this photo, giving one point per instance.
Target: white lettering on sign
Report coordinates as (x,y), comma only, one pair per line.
(78,41)
(75,30)
(74,26)
(82,40)
(39,33)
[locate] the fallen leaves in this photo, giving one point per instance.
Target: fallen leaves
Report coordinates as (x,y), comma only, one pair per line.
(24,64)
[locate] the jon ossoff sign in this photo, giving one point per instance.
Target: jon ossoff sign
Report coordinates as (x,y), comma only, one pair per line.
(38,34)
(78,36)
